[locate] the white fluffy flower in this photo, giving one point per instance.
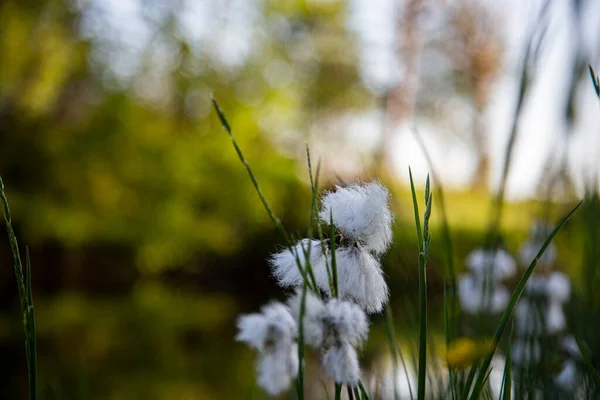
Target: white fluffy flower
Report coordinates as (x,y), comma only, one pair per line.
(285,267)
(523,352)
(473,299)
(341,363)
(567,378)
(528,318)
(273,333)
(277,368)
(361,212)
(569,345)
(348,321)
(559,287)
(315,314)
(530,250)
(499,264)
(555,317)
(337,328)
(360,278)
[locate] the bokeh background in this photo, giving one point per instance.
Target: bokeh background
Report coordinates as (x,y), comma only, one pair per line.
(146,236)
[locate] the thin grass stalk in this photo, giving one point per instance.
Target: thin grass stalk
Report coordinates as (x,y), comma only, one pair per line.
(314,184)
(335,293)
(300,377)
(506,392)
(446,238)
(350,393)
(513,301)
(363,391)
(357,395)
(25,297)
(263,199)
(422,296)
(338,391)
(32,348)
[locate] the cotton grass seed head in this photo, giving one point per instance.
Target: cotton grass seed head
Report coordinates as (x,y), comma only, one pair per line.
(360,212)
(348,320)
(361,279)
(341,363)
(273,333)
(315,314)
(284,265)
(500,264)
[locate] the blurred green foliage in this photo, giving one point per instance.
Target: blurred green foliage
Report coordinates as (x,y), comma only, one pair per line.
(88,157)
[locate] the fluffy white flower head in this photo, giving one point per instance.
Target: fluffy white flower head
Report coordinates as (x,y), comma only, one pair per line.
(315,314)
(361,212)
(341,363)
(473,299)
(348,320)
(360,278)
(499,264)
(273,333)
(559,287)
(284,265)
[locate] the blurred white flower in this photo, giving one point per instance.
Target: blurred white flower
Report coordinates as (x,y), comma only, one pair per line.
(336,328)
(473,299)
(555,317)
(315,313)
(360,278)
(347,322)
(499,265)
(273,333)
(524,352)
(361,213)
(537,285)
(341,363)
(559,287)
(284,265)
(530,250)
(567,378)
(569,345)
(528,319)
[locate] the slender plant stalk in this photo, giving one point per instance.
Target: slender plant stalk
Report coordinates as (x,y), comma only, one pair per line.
(333,259)
(25,298)
(300,378)
(424,244)
(338,391)
(363,391)
(305,274)
(315,213)
(511,305)
(453,314)
(505,393)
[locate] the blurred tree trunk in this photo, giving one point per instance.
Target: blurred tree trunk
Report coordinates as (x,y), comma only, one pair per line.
(398,102)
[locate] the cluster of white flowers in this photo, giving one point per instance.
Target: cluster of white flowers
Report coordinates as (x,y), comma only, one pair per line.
(273,333)
(335,324)
(540,310)
(361,216)
(482,289)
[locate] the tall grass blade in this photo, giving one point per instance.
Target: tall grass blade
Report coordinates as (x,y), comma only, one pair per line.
(422,372)
(363,392)
(513,301)
(262,197)
(25,298)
